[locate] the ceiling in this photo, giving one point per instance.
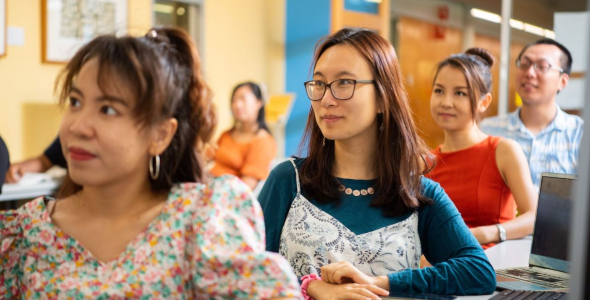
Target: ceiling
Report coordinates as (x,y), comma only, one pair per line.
(536,12)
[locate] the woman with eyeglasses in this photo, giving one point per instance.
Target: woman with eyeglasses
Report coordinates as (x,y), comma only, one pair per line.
(139,220)
(355,215)
(487,177)
(247,149)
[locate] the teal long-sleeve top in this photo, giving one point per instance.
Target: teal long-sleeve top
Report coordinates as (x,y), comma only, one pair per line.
(460,266)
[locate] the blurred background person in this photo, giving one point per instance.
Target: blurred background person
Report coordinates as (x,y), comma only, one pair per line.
(247,149)
(4,162)
(549,137)
(487,177)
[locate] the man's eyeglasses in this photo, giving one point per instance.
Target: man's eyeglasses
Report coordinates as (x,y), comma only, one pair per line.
(342,89)
(541,66)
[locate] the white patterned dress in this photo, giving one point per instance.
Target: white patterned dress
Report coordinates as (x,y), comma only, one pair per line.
(311,238)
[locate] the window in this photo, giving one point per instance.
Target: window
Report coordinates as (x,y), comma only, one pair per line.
(185,14)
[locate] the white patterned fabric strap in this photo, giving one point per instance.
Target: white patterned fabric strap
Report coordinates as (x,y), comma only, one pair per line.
(296,175)
(312,238)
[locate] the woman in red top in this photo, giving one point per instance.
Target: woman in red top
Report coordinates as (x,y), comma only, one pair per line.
(487,177)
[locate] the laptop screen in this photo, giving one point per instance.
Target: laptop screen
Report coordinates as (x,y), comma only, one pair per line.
(550,238)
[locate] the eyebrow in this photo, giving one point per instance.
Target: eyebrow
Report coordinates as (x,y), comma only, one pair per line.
(531,60)
(104,98)
(339,74)
(458,87)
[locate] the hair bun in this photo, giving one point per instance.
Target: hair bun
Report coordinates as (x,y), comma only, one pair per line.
(484,54)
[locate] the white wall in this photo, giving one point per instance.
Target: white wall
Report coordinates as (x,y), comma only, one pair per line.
(572,30)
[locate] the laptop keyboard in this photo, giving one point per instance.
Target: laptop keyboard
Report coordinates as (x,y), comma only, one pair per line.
(528,295)
(535,277)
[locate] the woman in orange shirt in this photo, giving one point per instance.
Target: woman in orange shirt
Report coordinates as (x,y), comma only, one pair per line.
(487,177)
(247,149)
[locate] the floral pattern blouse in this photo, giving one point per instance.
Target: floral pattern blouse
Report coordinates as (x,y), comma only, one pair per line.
(207,243)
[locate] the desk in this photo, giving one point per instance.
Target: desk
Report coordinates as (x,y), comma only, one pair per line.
(42,184)
(12,192)
(509,254)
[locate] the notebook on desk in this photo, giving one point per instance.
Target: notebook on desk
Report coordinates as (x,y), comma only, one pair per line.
(548,265)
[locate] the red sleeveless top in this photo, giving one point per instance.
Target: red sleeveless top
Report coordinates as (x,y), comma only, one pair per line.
(472,180)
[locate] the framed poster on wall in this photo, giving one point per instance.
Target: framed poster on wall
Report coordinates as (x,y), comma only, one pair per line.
(69,24)
(2,28)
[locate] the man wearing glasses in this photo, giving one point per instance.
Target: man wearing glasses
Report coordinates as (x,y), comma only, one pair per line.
(549,137)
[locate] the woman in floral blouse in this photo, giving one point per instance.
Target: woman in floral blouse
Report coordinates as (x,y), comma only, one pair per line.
(136,217)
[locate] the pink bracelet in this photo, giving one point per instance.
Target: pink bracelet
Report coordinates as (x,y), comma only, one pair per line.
(305,280)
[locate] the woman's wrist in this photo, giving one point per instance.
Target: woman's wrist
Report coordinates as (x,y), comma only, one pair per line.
(312,288)
(496,233)
(382,282)
(307,282)
(490,233)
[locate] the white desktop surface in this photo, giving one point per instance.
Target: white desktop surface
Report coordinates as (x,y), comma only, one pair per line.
(509,254)
(17,192)
(33,185)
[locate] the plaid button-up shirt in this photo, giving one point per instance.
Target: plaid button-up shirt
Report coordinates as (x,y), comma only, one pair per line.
(554,149)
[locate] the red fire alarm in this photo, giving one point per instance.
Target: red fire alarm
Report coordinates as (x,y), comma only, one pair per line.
(443,16)
(443,12)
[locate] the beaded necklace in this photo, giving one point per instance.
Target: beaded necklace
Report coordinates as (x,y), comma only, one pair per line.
(364,192)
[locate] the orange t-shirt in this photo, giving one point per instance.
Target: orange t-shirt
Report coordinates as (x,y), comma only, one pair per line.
(472,180)
(244,159)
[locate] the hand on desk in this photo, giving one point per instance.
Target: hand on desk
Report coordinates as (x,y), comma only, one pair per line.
(342,280)
(34,165)
(486,234)
(320,290)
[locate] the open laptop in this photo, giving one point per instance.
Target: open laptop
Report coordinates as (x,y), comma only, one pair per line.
(548,264)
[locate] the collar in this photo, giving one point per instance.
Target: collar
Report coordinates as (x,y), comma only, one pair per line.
(515,123)
(558,123)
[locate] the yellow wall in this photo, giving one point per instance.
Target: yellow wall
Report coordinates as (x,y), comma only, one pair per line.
(24,80)
(22,76)
(243,40)
(275,45)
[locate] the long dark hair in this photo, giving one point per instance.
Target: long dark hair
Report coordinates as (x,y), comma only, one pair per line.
(163,71)
(476,64)
(401,154)
(257,91)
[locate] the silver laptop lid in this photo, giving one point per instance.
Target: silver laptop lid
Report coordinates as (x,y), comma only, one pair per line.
(550,237)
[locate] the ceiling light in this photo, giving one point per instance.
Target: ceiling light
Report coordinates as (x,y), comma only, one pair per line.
(550,34)
(534,29)
(488,16)
(516,24)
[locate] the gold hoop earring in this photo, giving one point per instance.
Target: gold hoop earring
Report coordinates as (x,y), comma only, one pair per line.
(155,170)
